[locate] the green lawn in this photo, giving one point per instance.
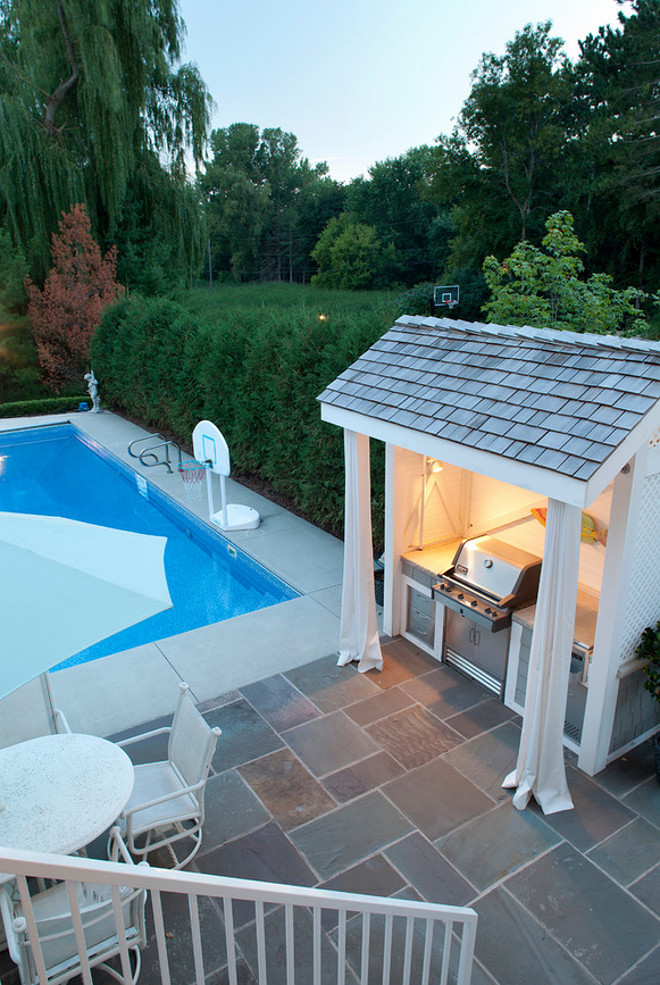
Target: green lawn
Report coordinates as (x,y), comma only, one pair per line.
(216,303)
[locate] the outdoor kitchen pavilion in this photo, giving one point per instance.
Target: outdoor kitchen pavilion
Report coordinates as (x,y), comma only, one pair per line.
(519,419)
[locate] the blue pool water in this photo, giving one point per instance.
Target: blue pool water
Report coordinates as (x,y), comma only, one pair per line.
(59,471)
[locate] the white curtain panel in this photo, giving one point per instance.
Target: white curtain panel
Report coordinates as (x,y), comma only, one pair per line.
(358,637)
(540,771)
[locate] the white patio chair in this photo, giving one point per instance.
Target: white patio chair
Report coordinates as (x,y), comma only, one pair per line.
(55,927)
(167,802)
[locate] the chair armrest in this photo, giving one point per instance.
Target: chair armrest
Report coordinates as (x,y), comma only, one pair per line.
(117,847)
(128,812)
(144,735)
(61,723)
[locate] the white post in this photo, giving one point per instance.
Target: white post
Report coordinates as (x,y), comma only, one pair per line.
(395,496)
(209,489)
(603,685)
(358,632)
(223,500)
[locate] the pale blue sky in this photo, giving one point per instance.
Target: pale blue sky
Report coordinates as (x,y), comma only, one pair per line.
(358,81)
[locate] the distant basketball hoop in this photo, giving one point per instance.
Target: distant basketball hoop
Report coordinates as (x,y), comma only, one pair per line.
(446,297)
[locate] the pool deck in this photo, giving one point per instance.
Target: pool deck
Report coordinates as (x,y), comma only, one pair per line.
(112,693)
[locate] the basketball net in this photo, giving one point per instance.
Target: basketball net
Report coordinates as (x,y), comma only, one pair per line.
(192,474)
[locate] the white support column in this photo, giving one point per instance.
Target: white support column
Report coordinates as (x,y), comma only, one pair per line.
(603,681)
(540,768)
(395,522)
(358,633)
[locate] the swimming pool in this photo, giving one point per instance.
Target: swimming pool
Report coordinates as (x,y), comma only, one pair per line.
(58,470)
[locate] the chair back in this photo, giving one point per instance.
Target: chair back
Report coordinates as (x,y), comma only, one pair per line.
(55,927)
(192,741)
(57,938)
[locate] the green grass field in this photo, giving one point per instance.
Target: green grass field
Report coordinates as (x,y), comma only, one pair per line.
(210,305)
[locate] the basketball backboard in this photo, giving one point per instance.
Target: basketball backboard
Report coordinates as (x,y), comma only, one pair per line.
(445,296)
(210,446)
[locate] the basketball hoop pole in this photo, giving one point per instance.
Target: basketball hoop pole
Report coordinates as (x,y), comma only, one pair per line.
(223,499)
(209,486)
(209,490)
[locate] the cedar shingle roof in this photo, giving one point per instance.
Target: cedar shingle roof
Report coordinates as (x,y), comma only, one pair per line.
(558,400)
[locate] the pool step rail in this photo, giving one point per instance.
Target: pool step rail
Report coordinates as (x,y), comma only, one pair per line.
(157,453)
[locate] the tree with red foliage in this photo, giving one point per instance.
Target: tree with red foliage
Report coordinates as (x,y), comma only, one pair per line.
(80,285)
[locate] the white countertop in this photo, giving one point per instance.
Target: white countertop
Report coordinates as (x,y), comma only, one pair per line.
(436,558)
(586,614)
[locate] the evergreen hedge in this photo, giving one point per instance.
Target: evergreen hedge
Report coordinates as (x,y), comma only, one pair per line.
(254,372)
(45,405)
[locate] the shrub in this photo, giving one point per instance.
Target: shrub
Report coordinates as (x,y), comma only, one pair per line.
(255,371)
(417,300)
(47,405)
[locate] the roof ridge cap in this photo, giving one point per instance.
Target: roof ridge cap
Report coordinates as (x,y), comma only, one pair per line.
(530,332)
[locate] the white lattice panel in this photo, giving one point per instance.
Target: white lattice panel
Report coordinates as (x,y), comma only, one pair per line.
(644,590)
(653,459)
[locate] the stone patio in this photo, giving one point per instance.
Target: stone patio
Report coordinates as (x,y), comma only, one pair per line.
(390,784)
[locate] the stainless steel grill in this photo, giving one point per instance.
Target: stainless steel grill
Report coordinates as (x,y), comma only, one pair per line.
(487,580)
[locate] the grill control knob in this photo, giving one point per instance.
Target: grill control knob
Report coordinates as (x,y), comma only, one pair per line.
(488,610)
(460,595)
(474,602)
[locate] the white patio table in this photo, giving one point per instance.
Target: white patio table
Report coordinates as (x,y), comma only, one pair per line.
(59,792)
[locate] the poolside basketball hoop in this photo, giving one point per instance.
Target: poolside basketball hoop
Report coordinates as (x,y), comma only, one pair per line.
(192,474)
(210,447)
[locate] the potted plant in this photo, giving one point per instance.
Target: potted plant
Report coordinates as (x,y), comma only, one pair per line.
(649,650)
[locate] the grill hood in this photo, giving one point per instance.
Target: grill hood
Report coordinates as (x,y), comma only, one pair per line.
(497,569)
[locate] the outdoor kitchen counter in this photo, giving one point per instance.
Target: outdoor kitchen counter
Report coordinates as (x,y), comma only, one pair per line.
(434,559)
(586,614)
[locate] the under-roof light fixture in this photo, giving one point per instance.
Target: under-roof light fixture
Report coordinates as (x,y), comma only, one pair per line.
(433,466)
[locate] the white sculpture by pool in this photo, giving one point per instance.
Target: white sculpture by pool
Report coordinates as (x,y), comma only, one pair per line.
(93,390)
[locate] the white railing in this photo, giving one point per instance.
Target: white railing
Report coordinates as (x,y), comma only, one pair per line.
(301,936)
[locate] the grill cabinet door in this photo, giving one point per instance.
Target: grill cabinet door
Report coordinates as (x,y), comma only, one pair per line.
(476,651)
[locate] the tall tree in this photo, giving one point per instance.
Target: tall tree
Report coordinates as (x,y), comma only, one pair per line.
(393,200)
(266,203)
(94,105)
(617,82)
(513,117)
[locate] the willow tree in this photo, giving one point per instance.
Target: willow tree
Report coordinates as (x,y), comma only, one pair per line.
(95,107)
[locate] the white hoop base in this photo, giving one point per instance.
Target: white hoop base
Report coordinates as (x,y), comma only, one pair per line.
(238,517)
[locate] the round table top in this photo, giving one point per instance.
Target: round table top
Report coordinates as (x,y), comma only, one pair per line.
(59,792)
